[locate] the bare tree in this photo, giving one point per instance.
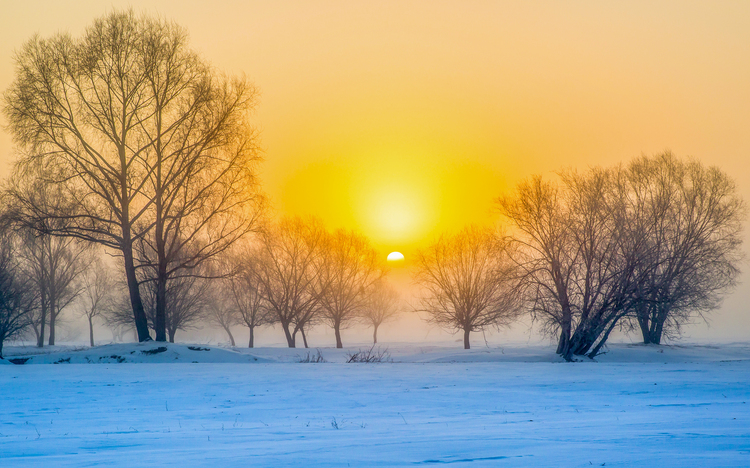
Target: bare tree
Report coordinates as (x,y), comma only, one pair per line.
(469,282)
(186,303)
(222,312)
(692,221)
(96,296)
(145,140)
(348,270)
(16,299)
(245,288)
(577,265)
(382,305)
(289,268)
(54,266)
(201,163)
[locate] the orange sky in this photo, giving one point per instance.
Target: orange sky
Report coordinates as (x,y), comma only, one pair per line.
(405,119)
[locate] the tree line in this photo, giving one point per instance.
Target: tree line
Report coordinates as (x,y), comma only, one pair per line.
(136,198)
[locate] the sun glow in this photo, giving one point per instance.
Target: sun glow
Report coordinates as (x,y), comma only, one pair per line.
(395,257)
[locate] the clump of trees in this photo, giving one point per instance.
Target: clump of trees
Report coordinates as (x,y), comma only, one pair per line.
(654,243)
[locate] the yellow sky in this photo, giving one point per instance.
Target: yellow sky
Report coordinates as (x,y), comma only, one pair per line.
(405,119)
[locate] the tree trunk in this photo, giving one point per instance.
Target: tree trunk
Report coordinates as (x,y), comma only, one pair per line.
(466,338)
(172,333)
(564,344)
(251,341)
(643,323)
(42,323)
(375,335)
(289,336)
(52,317)
(160,319)
(139,315)
(1,349)
(231,337)
(91,331)
(337,331)
(304,338)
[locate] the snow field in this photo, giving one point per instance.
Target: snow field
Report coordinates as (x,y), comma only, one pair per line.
(395,414)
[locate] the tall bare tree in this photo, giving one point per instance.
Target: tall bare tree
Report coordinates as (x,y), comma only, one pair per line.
(382,305)
(289,270)
(349,268)
(147,142)
(201,163)
(469,282)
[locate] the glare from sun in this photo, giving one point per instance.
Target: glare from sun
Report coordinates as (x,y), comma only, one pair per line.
(395,257)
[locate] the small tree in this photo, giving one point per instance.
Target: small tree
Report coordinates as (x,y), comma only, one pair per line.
(222,312)
(349,268)
(245,291)
(468,281)
(288,271)
(97,294)
(382,305)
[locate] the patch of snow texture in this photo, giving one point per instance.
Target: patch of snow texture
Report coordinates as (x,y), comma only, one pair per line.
(675,407)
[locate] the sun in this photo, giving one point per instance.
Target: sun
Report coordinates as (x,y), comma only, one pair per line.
(395,257)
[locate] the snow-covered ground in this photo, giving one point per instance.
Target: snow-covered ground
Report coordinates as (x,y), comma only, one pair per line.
(433,405)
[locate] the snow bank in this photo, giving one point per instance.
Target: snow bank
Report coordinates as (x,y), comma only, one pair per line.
(150,352)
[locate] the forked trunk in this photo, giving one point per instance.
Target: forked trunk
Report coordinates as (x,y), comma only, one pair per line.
(289,336)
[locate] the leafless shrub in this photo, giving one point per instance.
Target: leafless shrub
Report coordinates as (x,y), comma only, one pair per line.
(312,357)
(369,355)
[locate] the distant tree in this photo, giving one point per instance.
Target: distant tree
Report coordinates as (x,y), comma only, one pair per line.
(288,271)
(381,305)
(468,282)
(245,290)
(222,312)
(16,299)
(349,268)
(54,266)
(692,221)
(145,140)
(97,293)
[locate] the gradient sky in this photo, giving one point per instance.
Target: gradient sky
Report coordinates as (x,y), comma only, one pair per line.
(406,119)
